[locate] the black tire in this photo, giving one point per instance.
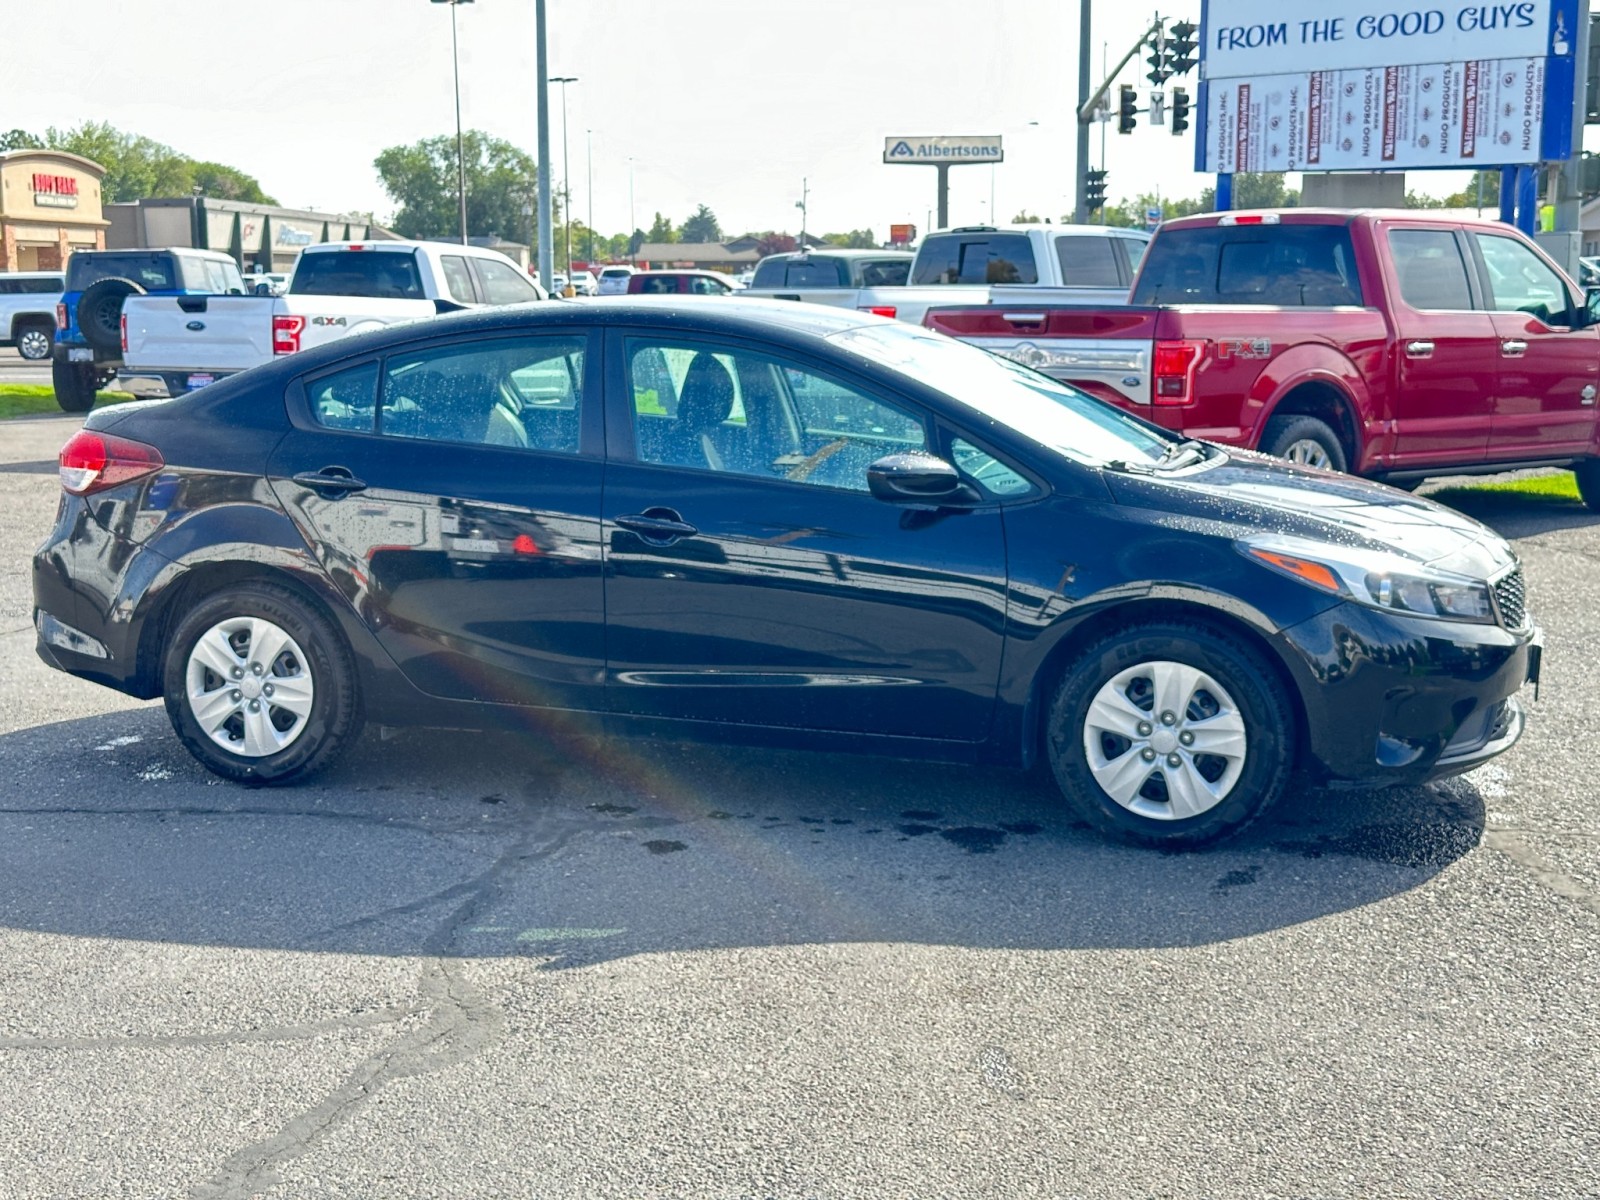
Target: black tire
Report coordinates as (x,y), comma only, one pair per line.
(100,313)
(1284,433)
(1587,474)
(35,340)
(334,719)
(1256,694)
(75,384)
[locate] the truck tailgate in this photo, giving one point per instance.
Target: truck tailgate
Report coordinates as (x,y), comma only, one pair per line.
(186,333)
(1103,351)
(329,318)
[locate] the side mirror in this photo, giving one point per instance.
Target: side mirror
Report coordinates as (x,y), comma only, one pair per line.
(917,478)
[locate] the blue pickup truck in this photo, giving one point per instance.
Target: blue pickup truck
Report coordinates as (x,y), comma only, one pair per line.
(89,344)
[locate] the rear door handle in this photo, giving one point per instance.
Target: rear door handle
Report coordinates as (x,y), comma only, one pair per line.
(658,526)
(1419,349)
(335,480)
(1512,348)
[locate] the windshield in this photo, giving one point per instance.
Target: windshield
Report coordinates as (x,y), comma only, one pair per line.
(1059,418)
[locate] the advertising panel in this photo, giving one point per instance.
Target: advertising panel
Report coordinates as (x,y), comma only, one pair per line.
(1436,115)
(926,151)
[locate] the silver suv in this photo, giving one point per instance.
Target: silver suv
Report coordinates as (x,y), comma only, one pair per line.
(614,280)
(28,311)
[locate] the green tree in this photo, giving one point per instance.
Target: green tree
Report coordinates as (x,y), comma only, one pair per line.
(701,227)
(421,178)
(136,167)
(1026,218)
(20,139)
(856,239)
(661,231)
(775,243)
(228,183)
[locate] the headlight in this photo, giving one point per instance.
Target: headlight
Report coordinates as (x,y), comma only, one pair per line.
(1381,580)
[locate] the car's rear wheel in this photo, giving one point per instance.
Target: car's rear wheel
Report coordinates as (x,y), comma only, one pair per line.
(1170,735)
(1304,440)
(1588,475)
(75,384)
(259,685)
(34,342)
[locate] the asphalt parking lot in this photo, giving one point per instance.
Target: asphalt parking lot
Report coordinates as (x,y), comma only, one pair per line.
(16,369)
(470,966)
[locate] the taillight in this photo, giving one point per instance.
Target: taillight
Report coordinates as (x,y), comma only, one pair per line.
(879,310)
(92,462)
(1175,365)
(61,316)
(124,321)
(286,333)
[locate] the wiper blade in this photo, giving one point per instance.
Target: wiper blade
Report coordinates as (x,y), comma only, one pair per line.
(1183,454)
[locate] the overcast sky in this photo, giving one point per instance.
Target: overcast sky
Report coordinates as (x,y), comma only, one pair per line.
(730,103)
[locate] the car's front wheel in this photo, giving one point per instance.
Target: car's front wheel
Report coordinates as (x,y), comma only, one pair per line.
(1170,735)
(259,685)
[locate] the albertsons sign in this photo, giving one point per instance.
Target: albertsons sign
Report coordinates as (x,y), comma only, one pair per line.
(1266,37)
(922,151)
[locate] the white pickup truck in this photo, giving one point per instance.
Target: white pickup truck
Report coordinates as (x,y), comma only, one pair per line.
(978,264)
(175,344)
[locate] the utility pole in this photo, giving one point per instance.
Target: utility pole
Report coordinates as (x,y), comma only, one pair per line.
(461,161)
(542,87)
(805,194)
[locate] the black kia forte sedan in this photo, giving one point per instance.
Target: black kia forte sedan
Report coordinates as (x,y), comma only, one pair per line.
(777,522)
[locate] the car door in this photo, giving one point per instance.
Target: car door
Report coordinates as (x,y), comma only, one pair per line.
(451,489)
(1447,356)
(750,576)
(1544,404)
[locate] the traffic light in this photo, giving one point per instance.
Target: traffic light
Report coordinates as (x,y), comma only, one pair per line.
(1180,47)
(1157,58)
(1127,109)
(1179,114)
(1094,192)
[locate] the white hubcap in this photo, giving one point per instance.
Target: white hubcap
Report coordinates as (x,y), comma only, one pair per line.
(1310,453)
(1164,740)
(249,686)
(33,344)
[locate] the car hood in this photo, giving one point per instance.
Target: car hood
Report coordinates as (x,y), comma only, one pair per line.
(1256,494)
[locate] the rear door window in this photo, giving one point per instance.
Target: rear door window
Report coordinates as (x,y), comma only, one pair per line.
(502,283)
(1088,261)
(1430,270)
(975,258)
(891,272)
(1296,266)
(457,279)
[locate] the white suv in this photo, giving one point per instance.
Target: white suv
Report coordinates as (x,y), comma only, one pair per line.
(28,311)
(614,280)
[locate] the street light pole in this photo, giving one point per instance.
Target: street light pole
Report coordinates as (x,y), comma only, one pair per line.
(631,225)
(588,138)
(461,161)
(805,194)
(542,86)
(566,174)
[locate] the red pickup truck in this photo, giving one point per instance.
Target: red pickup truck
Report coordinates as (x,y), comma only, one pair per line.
(1389,344)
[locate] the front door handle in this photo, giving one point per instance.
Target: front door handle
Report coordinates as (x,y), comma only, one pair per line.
(1513,348)
(658,526)
(335,481)
(1587,395)
(1419,349)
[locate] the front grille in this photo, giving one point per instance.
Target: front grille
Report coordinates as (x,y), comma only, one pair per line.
(1509,599)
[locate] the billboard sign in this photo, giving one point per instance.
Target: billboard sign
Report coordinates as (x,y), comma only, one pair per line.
(902,235)
(942,151)
(1424,88)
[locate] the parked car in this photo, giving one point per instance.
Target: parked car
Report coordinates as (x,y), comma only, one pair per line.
(173,345)
(686,283)
(28,311)
(89,326)
(976,264)
(585,284)
(267,283)
(778,522)
(613,280)
(1389,344)
(836,277)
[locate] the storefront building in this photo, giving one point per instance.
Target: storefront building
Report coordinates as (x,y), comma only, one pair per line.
(49,207)
(259,236)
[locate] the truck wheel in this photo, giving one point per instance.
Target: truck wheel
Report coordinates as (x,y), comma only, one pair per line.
(1304,440)
(1588,476)
(1170,735)
(259,686)
(34,342)
(100,313)
(75,385)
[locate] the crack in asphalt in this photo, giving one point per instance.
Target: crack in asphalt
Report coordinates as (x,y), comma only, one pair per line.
(232,1037)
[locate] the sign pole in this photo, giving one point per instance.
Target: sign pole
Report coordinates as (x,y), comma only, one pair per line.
(1527,199)
(1569,206)
(1080,211)
(944,195)
(547,252)
(1224,193)
(1508,195)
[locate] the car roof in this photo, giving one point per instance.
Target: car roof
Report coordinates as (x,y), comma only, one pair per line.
(840,252)
(32,274)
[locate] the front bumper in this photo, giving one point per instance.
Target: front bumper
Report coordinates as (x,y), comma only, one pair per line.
(1390,699)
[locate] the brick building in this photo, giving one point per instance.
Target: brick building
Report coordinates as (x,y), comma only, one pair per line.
(49,207)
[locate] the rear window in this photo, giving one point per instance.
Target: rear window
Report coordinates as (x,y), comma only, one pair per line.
(614,273)
(975,258)
(388,275)
(150,270)
(1296,266)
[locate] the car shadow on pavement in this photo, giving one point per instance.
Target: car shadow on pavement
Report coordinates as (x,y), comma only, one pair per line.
(1516,515)
(475,845)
